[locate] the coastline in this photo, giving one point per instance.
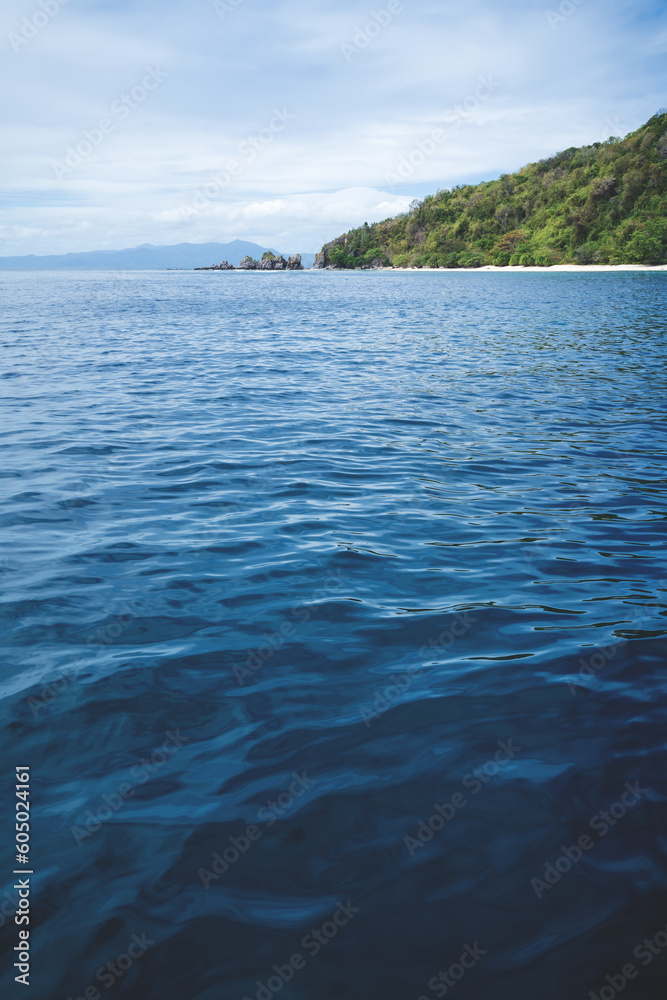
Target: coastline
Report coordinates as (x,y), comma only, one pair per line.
(519,269)
(493,268)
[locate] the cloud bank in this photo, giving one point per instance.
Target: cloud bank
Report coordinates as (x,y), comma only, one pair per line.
(288,123)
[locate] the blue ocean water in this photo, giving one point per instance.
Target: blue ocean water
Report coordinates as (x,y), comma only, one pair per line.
(333,614)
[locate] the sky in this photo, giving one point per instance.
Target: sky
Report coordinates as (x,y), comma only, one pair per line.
(288,122)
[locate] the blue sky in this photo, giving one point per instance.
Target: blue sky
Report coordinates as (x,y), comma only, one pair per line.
(287,122)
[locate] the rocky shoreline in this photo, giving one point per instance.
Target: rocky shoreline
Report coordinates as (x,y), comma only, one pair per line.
(324,261)
(269,262)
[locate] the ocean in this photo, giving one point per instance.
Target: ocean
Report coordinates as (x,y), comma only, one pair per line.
(333,616)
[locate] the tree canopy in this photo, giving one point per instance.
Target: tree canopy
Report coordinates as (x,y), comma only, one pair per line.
(605,203)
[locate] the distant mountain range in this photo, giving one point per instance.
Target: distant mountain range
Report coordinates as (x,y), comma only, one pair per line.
(149,258)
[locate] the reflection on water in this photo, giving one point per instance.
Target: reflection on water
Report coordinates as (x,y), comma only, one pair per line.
(333,614)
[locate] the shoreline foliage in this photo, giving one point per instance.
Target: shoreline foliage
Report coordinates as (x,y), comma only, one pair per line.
(600,204)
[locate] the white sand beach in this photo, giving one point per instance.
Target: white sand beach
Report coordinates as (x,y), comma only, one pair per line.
(559,268)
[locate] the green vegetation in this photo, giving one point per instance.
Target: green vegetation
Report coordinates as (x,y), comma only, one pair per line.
(605,203)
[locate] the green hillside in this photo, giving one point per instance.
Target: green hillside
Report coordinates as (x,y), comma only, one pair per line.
(605,203)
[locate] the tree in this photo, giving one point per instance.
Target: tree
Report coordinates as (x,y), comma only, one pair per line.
(502,215)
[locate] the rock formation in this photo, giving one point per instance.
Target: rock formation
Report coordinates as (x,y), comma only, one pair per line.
(224,266)
(269,262)
(328,260)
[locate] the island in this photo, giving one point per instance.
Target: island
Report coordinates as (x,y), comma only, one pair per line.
(600,204)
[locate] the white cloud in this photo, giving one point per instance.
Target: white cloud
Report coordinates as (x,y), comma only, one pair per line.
(300,222)
(353,120)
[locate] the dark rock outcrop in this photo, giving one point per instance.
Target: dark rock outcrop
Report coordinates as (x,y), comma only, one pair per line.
(337,256)
(323,261)
(268,263)
(224,266)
